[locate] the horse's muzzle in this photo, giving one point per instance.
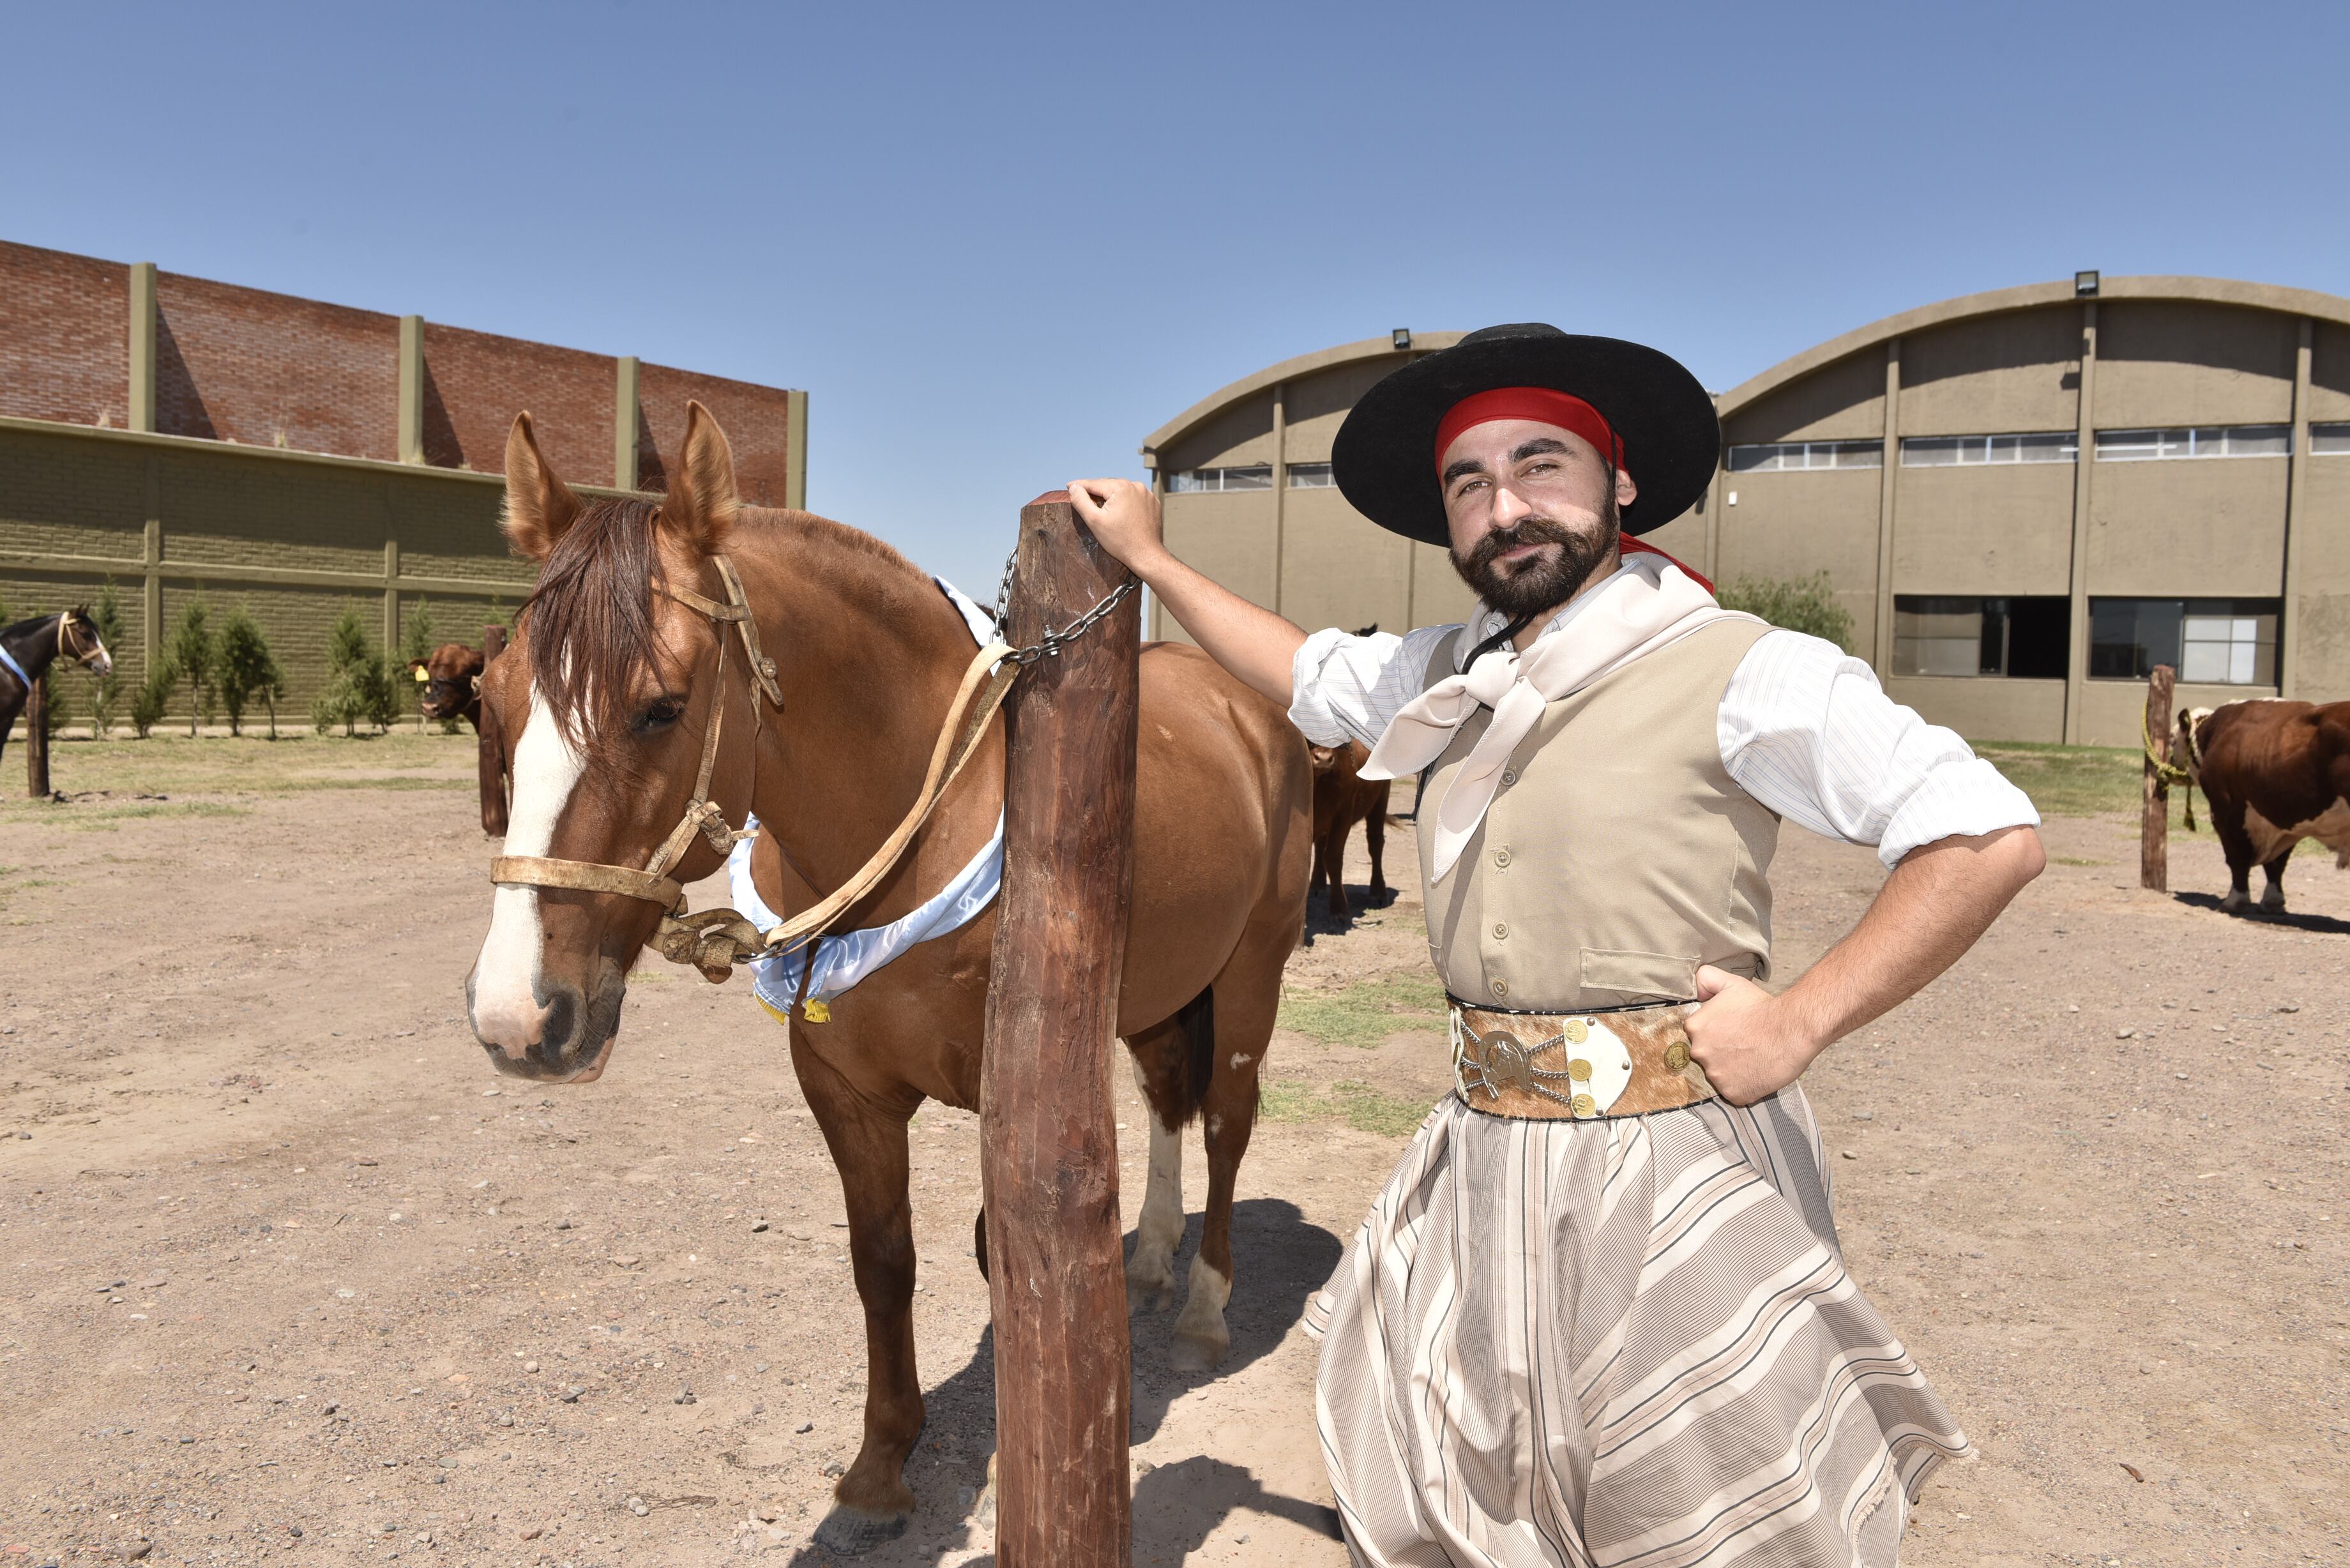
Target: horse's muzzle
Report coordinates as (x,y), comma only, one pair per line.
(567,1042)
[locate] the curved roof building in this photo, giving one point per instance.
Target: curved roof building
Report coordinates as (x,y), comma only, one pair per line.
(2025,498)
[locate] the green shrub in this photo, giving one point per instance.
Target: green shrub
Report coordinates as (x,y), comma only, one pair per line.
(153,696)
(192,653)
(357,687)
(415,643)
(247,670)
(1801,603)
(106,696)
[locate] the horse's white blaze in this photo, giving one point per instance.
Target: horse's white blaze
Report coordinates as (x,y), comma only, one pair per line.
(546,768)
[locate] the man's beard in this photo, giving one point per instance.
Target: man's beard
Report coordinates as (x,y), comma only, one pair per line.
(1538,584)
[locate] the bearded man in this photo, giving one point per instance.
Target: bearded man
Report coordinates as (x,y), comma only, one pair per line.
(1598,1313)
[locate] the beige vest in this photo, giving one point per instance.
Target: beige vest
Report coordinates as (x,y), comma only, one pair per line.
(1617,854)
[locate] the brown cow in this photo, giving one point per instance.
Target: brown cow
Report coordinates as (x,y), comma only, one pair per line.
(1342,797)
(2276,773)
(452,678)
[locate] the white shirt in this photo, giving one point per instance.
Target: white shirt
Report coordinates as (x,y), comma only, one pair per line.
(1803,727)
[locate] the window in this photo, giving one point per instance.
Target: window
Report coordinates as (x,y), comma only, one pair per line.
(1943,635)
(2217,642)
(1311,476)
(2329,439)
(1784,456)
(1203,479)
(1948,451)
(2198,440)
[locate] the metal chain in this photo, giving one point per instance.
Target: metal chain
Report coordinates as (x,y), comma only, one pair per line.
(1049,645)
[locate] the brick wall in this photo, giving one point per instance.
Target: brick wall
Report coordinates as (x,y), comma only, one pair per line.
(268,369)
(757,421)
(65,337)
(475,382)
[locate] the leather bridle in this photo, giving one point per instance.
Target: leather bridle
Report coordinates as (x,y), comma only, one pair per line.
(716,940)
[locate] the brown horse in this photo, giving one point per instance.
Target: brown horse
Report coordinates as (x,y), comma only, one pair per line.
(602,706)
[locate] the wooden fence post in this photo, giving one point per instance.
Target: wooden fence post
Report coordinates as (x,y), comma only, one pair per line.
(490,769)
(36,739)
(1048,1143)
(2154,823)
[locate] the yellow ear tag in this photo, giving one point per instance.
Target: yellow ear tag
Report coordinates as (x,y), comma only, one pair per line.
(818,1012)
(421,677)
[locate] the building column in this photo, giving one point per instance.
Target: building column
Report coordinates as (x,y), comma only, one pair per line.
(1713,501)
(1881,641)
(140,409)
(1158,618)
(2076,645)
(1280,488)
(624,424)
(411,389)
(795,450)
(390,599)
(151,569)
(2296,514)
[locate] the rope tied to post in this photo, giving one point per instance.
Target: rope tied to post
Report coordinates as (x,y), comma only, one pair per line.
(715,940)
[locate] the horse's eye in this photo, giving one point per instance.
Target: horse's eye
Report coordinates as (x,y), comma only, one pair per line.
(659,714)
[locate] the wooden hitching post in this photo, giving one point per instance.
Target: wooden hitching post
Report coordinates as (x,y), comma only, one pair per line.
(490,768)
(36,740)
(1047,1124)
(2154,826)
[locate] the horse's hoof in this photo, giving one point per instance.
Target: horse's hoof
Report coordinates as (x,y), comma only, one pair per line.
(2273,903)
(851,1531)
(1197,1352)
(1142,1297)
(2234,902)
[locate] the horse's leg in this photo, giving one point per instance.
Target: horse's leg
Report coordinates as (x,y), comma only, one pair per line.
(2273,896)
(1375,835)
(873,1503)
(1162,1073)
(1334,851)
(1247,997)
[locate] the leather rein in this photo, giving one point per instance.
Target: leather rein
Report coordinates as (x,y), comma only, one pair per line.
(716,940)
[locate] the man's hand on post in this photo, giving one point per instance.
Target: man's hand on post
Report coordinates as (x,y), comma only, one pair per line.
(1124,517)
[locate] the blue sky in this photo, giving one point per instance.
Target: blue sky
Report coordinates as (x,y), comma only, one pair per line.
(999,245)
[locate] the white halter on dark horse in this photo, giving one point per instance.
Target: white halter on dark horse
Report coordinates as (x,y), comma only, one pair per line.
(28,647)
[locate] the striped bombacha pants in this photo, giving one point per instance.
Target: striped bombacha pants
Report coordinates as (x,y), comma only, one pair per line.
(1625,1343)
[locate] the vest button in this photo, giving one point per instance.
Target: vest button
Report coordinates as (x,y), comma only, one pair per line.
(1501,856)
(1501,987)
(1509,776)
(1500,930)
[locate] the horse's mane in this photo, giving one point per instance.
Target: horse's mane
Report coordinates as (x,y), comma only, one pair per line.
(589,623)
(25,626)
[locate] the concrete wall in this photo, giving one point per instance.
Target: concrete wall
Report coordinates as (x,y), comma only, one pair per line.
(2144,352)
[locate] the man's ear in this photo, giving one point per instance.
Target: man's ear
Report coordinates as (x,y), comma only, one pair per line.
(702,501)
(1625,491)
(540,508)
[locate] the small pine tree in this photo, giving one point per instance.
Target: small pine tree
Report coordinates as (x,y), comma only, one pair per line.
(247,670)
(416,643)
(106,698)
(1803,604)
(192,655)
(153,696)
(357,686)
(55,706)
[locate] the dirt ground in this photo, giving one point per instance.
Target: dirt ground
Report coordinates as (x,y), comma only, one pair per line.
(287,1272)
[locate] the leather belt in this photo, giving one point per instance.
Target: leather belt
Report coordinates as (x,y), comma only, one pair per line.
(1576,1067)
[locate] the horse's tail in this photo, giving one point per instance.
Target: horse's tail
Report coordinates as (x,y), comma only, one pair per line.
(1197,1023)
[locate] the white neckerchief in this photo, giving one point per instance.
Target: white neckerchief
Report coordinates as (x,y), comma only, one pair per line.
(844,960)
(1644,605)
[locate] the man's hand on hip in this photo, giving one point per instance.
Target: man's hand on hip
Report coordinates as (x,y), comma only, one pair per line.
(1745,1038)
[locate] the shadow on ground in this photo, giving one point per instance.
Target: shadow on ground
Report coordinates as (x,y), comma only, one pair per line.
(1360,900)
(2325,925)
(1281,1258)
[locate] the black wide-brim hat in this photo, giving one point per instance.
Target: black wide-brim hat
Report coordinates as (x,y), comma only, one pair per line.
(1384,457)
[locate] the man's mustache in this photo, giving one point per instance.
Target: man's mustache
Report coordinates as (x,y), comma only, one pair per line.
(1527,530)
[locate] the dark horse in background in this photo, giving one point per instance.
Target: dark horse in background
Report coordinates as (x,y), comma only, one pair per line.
(34,645)
(601,707)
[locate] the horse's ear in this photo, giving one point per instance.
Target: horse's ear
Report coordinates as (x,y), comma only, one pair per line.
(540,508)
(702,499)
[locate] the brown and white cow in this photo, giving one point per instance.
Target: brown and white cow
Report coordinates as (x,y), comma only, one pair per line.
(2276,773)
(452,678)
(1342,797)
